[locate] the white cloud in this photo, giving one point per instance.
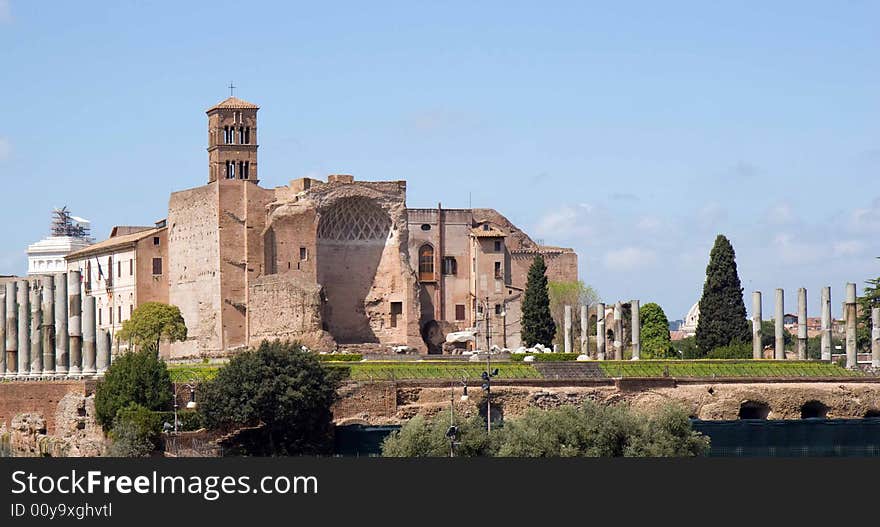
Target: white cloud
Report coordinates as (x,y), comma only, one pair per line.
(630,258)
(781,214)
(867,219)
(5,146)
(848,248)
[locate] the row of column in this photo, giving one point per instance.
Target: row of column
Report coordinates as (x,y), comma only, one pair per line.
(50,330)
(850,315)
(636,334)
(850,312)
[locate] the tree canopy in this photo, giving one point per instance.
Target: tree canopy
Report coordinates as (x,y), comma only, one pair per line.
(279,387)
(153,322)
(722,311)
(656,343)
(537,321)
(868,301)
(139,378)
(574,294)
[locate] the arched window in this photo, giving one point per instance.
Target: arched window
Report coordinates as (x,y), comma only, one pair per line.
(426,263)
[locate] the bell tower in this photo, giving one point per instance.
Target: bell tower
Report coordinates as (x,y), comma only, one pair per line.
(232,141)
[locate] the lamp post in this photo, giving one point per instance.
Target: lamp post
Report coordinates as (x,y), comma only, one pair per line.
(453,433)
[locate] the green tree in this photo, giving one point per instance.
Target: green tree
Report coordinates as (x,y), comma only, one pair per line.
(868,301)
(280,388)
(722,311)
(421,437)
(135,433)
(768,335)
(153,322)
(574,294)
(596,430)
(133,378)
(537,322)
(656,343)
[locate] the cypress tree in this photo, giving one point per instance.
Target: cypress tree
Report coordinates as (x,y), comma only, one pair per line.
(537,322)
(722,311)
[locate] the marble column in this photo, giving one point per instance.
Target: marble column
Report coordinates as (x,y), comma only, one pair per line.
(24,335)
(89,329)
(600,331)
(585,331)
(875,337)
(851,324)
(74,323)
(102,360)
(61,337)
(757,333)
(826,323)
(636,331)
(618,331)
(11,323)
(47,305)
(779,348)
(802,324)
(36,329)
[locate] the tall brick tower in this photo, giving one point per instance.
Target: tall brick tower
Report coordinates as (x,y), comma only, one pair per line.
(232,141)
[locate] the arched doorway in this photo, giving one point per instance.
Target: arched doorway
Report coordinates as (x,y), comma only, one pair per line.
(754,410)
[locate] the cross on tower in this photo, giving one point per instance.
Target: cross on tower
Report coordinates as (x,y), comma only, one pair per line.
(231,87)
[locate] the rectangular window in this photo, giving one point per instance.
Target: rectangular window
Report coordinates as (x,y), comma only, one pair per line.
(459,311)
(497,246)
(303,253)
(157,266)
(497,269)
(498,309)
(110,314)
(396,311)
(450,265)
(156,241)
(119,269)
(131,267)
(100,317)
(130,310)
(119,311)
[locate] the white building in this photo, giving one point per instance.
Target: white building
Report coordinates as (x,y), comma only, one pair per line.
(69,234)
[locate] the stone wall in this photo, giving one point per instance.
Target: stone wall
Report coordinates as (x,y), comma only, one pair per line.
(395,403)
(285,306)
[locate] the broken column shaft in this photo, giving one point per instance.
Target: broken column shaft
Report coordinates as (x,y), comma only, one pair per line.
(757,320)
(102,360)
(24,340)
(826,323)
(74,322)
(89,338)
(875,337)
(61,337)
(802,324)
(566,323)
(636,331)
(47,306)
(11,330)
(851,315)
(600,331)
(779,315)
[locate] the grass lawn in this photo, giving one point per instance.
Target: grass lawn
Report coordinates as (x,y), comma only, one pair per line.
(724,368)
(362,371)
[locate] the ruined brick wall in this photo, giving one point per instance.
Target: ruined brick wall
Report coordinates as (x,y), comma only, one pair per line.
(193,268)
(285,306)
(38,398)
(151,287)
(562,265)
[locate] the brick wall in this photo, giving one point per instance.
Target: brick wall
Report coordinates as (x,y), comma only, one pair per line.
(38,397)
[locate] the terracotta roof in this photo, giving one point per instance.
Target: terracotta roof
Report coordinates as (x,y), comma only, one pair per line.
(113,242)
(234,103)
(490,232)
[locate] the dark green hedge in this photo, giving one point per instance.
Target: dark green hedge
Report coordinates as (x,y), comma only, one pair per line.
(187,420)
(340,357)
(545,357)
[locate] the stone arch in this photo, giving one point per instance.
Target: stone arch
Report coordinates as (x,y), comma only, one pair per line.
(426,262)
(754,410)
(351,237)
(814,409)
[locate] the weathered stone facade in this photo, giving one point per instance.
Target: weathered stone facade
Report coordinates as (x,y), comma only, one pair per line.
(332,263)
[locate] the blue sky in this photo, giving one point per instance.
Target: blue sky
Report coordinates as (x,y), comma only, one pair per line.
(631,131)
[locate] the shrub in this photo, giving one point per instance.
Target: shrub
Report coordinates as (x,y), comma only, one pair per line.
(736,350)
(135,432)
(421,437)
(340,357)
(279,387)
(134,377)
